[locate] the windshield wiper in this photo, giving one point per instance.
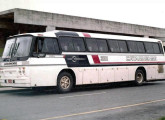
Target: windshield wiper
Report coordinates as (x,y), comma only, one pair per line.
(10,51)
(15,49)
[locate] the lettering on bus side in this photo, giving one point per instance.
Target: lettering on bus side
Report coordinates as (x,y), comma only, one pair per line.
(104,58)
(76,60)
(140,58)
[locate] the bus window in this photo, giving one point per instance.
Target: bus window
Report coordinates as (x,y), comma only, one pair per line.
(102,45)
(50,46)
(66,43)
(149,48)
(92,45)
(123,46)
(46,45)
(113,45)
(156,48)
(140,47)
(78,44)
(132,47)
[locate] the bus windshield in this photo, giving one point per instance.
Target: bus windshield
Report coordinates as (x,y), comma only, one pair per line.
(17,47)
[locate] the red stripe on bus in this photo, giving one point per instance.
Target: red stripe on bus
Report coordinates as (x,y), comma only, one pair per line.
(86,35)
(96,59)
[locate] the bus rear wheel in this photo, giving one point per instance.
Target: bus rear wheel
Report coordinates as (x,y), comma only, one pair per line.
(64,82)
(139,77)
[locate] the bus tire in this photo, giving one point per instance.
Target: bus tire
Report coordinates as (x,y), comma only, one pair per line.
(139,77)
(64,82)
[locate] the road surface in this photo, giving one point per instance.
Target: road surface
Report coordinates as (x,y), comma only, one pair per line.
(101,102)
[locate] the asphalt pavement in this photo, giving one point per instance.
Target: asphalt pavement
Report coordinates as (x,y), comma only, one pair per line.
(121,101)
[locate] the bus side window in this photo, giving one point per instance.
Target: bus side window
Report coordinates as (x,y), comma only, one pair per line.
(123,46)
(79,45)
(92,45)
(66,43)
(156,48)
(140,47)
(46,45)
(132,46)
(38,45)
(149,47)
(102,45)
(114,46)
(50,46)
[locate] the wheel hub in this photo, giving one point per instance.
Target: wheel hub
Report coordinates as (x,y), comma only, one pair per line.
(139,77)
(65,82)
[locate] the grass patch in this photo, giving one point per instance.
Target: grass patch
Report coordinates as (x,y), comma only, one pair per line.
(162,118)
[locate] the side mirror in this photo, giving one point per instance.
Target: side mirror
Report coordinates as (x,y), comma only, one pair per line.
(39,55)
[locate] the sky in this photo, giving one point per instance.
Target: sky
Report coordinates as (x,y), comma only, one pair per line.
(141,12)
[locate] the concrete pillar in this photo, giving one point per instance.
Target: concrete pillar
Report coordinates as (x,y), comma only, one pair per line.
(50,28)
(145,36)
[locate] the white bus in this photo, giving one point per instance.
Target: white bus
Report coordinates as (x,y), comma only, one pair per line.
(65,59)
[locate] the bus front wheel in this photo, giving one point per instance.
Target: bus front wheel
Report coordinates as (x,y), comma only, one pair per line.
(139,77)
(64,82)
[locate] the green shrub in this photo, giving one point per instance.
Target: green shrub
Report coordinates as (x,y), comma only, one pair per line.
(162,118)
(1,51)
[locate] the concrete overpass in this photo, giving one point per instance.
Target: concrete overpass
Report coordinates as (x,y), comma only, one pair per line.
(17,21)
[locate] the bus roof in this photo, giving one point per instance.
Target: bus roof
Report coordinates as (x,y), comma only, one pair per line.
(90,35)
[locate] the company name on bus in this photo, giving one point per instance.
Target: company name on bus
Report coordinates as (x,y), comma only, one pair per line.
(10,63)
(140,58)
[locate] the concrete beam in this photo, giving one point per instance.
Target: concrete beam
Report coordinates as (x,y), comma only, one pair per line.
(73,22)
